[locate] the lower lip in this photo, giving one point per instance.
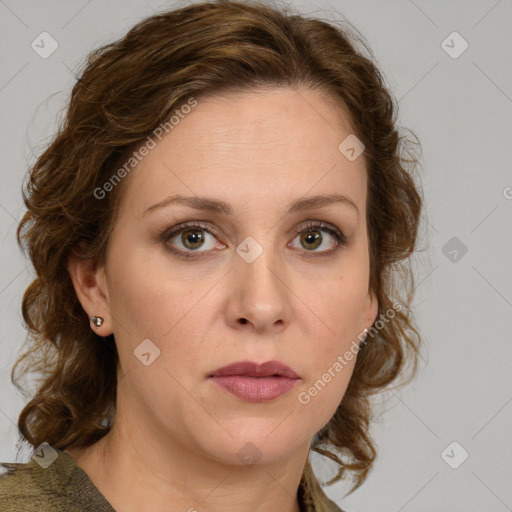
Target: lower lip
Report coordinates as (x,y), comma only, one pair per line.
(255,389)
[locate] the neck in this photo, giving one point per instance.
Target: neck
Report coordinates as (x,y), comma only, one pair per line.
(143,475)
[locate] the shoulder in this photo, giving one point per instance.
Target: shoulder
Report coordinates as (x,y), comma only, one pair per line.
(19,490)
(36,485)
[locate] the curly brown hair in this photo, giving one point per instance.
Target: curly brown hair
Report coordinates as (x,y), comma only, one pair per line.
(129,87)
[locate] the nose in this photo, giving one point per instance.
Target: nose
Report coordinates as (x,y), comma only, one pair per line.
(260,292)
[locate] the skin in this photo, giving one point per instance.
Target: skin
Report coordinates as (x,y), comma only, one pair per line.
(176,434)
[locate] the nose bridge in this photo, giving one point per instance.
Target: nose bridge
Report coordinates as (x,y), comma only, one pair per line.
(259,277)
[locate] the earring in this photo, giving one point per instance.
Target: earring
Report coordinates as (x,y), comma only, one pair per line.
(97,320)
(363,342)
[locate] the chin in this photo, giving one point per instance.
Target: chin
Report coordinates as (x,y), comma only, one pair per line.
(249,446)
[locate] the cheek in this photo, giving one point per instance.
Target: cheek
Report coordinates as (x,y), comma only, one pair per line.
(147,295)
(159,303)
(339,304)
(332,354)
(320,397)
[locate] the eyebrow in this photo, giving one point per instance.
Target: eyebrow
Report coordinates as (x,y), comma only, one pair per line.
(221,207)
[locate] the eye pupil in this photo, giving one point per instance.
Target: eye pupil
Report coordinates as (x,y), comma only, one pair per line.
(312,238)
(194,234)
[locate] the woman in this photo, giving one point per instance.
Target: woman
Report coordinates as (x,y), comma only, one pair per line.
(217,230)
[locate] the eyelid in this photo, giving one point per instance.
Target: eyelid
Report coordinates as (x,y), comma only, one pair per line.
(312,224)
(189,225)
(210,227)
(338,234)
(167,234)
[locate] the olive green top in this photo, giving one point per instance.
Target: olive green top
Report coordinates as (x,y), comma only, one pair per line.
(59,485)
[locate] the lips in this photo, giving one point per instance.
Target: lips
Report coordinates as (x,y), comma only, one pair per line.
(252,382)
(250,369)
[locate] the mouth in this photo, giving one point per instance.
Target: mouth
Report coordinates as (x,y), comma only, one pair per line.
(256,383)
(255,389)
(251,369)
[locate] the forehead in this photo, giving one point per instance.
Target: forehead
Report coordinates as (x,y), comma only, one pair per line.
(261,146)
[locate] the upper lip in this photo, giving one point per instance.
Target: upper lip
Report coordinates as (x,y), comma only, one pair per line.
(251,369)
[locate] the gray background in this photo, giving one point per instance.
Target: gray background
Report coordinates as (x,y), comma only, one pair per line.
(460,108)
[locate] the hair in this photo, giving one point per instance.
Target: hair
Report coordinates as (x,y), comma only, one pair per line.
(127,89)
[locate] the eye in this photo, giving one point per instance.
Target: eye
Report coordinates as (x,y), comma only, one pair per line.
(192,237)
(310,237)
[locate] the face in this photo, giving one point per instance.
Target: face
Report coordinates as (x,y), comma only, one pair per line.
(209,288)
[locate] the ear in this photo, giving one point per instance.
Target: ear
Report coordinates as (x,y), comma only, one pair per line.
(89,281)
(371,310)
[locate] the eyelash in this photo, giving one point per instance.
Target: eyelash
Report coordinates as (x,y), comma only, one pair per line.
(166,235)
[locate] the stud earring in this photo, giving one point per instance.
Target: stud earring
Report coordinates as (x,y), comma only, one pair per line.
(363,342)
(97,320)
